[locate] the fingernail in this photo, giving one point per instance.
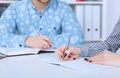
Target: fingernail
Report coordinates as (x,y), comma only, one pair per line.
(86,59)
(64,54)
(90,61)
(74,58)
(69,56)
(61,56)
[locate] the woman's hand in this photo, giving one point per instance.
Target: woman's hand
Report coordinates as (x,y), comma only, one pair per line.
(105,58)
(71,54)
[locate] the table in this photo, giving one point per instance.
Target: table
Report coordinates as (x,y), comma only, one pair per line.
(32,67)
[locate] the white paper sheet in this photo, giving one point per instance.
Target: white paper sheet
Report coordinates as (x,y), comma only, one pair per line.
(78,64)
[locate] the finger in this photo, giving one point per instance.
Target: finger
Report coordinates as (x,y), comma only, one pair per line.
(39,47)
(36,44)
(74,57)
(47,39)
(98,62)
(60,57)
(67,55)
(41,44)
(95,60)
(59,52)
(60,49)
(45,44)
(95,57)
(98,59)
(71,57)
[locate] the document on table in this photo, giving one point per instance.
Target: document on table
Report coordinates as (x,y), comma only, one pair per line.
(78,64)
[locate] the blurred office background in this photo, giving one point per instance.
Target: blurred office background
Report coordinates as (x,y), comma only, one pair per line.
(113,14)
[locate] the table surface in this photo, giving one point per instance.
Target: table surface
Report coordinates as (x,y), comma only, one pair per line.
(32,67)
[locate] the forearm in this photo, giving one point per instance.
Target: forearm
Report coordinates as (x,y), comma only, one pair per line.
(11,40)
(92,49)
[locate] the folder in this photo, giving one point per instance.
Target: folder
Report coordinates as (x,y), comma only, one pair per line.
(88,23)
(96,22)
(79,9)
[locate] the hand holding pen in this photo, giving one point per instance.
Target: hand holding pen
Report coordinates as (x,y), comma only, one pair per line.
(66,46)
(39,41)
(71,53)
(68,52)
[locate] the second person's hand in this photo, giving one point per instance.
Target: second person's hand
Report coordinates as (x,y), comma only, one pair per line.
(105,58)
(71,54)
(38,41)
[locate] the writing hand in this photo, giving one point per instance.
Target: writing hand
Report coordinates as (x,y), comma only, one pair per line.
(71,54)
(38,41)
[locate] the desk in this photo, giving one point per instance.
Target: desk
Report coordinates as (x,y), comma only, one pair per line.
(32,67)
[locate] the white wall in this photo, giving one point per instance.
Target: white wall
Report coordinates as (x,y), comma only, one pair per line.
(113,13)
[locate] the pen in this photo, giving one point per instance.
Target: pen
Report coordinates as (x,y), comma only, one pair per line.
(51,36)
(66,46)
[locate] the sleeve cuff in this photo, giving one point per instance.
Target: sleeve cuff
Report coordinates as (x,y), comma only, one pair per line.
(83,51)
(22,41)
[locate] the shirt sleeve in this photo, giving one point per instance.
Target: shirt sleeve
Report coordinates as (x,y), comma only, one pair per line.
(112,43)
(69,26)
(8,27)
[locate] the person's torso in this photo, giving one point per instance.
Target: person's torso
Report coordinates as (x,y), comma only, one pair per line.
(30,21)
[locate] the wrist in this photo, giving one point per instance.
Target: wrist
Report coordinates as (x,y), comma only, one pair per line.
(78,50)
(27,40)
(83,51)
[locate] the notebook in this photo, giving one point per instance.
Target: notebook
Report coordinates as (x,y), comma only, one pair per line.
(12,52)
